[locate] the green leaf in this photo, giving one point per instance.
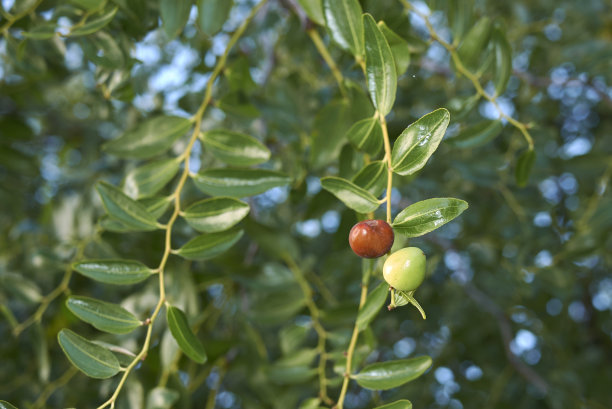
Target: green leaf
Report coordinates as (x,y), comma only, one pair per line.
(503,60)
(239,182)
(215,214)
(41,32)
(128,211)
(343,20)
(162,398)
(418,142)
(92,359)
(477,135)
(235,148)
(88,4)
(290,375)
(427,215)
(150,138)
(523,167)
(380,67)
(157,205)
(474,43)
(120,272)
(398,404)
(174,15)
(102,49)
(209,245)
(376,299)
(5,405)
(147,180)
(372,177)
(391,374)
(350,194)
(94,25)
(212,14)
(366,135)
(291,337)
(399,48)
(314,10)
(104,316)
(185,338)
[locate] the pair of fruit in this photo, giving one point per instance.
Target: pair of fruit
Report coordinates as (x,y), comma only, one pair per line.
(403,270)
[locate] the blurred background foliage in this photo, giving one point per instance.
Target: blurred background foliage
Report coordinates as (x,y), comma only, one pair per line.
(518,292)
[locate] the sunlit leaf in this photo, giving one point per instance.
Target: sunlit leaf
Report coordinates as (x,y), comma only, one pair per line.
(126,210)
(209,245)
(120,272)
(343,20)
(185,338)
(215,214)
(103,315)
(235,148)
(162,398)
(92,359)
(350,194)
(391,374)
(150,138)
(400,404)
(418,142)
(380,67)
(147,180)
(427,215)
(399,48)
(239,182)
(5,405)
(314,10)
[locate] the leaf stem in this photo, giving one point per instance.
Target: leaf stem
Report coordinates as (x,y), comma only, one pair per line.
(469,75)
(316,322)
(318,42)
(197,119)
(383,125)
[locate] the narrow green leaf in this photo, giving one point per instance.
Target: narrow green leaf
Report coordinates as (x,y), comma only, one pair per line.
(5,405)
(150,138)
(314,10)
(92,359)
(209,245)
(185,338)
(174,15)
(376,299)
(239,182)
(391,374)
(120,272)
(128,211)
(41,32)
(474,43)
(399,404)
(372,177)
(366,135)
(380,67)
(311,403)
(523,167)
(503,60)
(343,20)
(103,315)
(215,214)
(290,375)
(147,180)
(418,142)
(102,50)
(477,135)
(157,206)
(350,194)
(88,4)
(212,14)
(235,148)
(399,48)
(427,215)
(96,24)
(291,337)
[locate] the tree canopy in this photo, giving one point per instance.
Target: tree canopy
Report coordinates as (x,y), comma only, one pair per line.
(178,180)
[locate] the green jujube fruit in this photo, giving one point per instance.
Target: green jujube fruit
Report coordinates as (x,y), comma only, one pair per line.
(404,270)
